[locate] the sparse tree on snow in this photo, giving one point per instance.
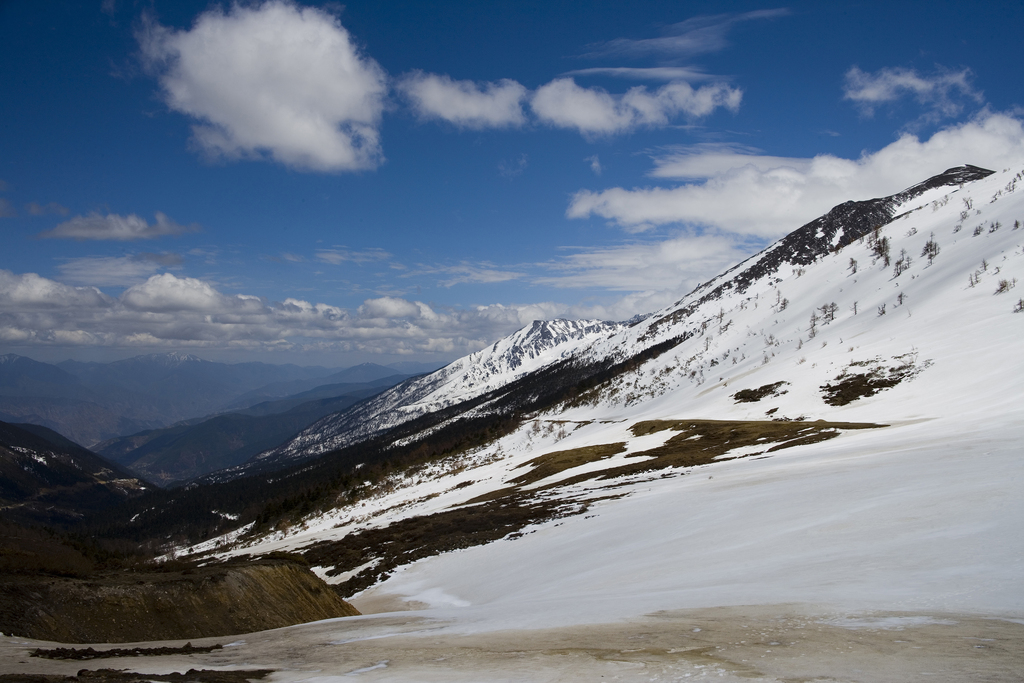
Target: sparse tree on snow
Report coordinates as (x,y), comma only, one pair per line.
(931,249)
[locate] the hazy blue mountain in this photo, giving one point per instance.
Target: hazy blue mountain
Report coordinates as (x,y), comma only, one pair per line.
(411,367)
(366,372)
(93,402)
(194,448)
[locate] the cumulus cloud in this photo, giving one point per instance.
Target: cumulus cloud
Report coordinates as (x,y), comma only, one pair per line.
(116,271)
(698,35)
(595,164)
(389,307)
(593,111)
(30,291)
(167,293)
(115,227)
(465,103)
(745,193)
(166,311)
(942,93)
(272,80)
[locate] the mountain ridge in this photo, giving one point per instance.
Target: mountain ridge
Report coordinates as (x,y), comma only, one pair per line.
(841,226)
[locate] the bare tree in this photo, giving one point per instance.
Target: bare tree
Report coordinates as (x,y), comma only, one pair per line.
(931,249)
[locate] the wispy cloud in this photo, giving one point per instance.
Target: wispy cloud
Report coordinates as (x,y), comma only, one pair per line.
(6,209)
(654,73)
(466,273)
(116,227)
(272,80)
(339,255)
(595,164)
(676,264)
(512,168)
(116,271)
(52,208)
(942,93)
(465,103)
(699,35)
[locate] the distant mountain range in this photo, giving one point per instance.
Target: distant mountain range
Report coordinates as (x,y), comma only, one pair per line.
(197,447)
(93,402)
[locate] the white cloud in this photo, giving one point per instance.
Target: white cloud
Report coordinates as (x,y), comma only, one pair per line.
(595,164)
(942,93)
(593,111)
(465,103)
(694,36)
(389,307)
(766,197)
(115,227)
(116,271)
(32,292)
(167,293)
(272,79)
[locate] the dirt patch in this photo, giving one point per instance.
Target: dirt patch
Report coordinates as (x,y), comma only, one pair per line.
(866,378)
(88,653)
(115,676)
(559,461)
(699,442)
(118,607)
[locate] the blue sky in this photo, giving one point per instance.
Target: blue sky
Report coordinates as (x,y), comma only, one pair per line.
(381,181)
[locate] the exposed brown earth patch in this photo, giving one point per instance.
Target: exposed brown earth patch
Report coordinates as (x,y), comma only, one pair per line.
(118,607)
(861,379)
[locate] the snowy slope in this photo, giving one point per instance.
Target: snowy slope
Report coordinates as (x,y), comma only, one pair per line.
(508,359)
(923,513)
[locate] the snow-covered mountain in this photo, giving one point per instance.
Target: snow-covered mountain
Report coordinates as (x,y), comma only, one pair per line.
(834,424)
(594,344)
(531,348)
